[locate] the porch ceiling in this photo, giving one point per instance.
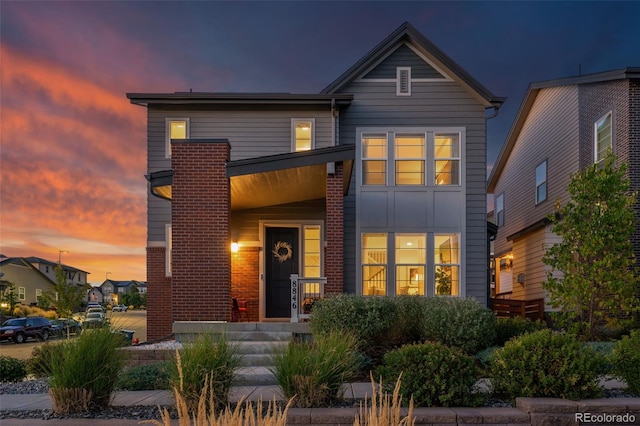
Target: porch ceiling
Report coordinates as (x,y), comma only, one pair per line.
(278,187)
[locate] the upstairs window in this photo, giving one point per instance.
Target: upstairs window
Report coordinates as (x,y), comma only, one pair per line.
(603,138)
(374,159)
(499,210)
(541,182)
(302,134)
(447,158)
(410,158)
(175,129)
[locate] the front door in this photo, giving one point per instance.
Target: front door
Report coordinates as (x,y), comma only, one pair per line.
(281,260)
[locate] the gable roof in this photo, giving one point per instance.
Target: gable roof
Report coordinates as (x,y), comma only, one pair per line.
(406,33)
(529,100)
(39,260)
(22,261)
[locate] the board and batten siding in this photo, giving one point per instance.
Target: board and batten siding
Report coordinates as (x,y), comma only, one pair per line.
(431,105)
(550,132)
(251,134)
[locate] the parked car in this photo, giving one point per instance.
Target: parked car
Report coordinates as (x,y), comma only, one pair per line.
(59,326)
(96,309)
(20,329)
(120,308)
(94,320)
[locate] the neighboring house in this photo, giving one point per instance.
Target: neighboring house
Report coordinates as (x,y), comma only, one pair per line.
(32,277)
(112,291)
(562,127)
(95,295)
(374,186)
(47,267)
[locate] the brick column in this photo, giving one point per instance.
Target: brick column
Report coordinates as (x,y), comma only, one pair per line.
(201,230)
(159,322)
(334,256)
(244,278)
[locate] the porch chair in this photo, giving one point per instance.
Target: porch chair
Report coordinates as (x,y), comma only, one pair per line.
(239,308)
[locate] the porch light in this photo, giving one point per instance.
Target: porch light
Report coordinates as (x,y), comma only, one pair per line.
(234,247)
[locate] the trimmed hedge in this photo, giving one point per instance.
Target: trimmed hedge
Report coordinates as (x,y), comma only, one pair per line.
(12,369)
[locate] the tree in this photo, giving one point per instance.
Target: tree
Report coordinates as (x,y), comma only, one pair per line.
(10,297)
(65,297)
(133,297)
(599,284)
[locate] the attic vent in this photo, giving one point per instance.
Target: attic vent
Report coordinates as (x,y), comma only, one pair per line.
(403,82)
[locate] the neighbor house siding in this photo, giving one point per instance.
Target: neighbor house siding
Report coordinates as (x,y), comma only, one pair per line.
(431,105)
(527,253)
(550,132)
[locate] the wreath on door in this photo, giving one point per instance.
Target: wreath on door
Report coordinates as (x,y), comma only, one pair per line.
(282,251)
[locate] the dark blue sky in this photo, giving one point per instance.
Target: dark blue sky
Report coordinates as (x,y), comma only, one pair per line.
(67,65)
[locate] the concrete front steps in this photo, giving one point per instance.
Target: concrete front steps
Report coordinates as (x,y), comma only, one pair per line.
(257,342)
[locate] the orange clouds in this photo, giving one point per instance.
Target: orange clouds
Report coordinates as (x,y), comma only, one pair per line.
(72,169)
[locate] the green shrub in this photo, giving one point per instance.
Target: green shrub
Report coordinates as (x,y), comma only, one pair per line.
(315,372)
(209,358)
(84,371)
(38,364)
(434,374)
(547,364)
(408,326)
(626,360)
(461,323)
(370,319)
(507,328)
(145,377)
(12,369)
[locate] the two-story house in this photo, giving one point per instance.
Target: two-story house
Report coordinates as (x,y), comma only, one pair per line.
(374,186)
(34,276)
(112,291)
(562,126)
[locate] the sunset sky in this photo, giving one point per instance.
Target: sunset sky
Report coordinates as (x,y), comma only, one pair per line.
(73,149)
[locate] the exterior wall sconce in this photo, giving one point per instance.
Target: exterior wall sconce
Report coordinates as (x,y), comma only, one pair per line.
(521,279)
(235,247)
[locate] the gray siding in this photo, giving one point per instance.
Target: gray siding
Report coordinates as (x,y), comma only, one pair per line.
(550,132)
(440,104)
(403,57)
(251,134)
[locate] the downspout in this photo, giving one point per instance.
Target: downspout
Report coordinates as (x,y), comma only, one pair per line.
(333,122)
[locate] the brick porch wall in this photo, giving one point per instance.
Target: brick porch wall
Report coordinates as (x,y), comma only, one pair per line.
(334,257)
(244,279)
(159,320)
(200,216)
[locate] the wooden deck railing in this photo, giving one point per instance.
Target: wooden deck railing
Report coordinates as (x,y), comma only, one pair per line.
(532,309)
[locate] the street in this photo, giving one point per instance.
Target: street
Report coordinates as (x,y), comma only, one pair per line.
(130,320)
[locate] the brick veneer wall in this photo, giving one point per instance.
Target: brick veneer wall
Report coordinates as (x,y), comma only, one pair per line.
(244,279)
(334,256)
(159,317)
(201,231)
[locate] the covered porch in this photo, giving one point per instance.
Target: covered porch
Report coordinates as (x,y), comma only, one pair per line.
(240,232)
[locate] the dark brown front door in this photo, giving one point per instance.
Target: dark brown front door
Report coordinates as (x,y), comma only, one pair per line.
(281,252)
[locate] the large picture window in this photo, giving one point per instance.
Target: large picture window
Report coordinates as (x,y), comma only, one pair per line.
(374,159)
(411,254)
(410,158)
(374,264)
(603,137)
(447,264)
(447,158)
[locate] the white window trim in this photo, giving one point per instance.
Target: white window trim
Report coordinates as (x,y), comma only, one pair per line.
(458,159)
(497,212)
(22,293)
(595,136)
(399,72)
(167,133)
(386,158)
(293,132)
(168,248)
(546,175)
